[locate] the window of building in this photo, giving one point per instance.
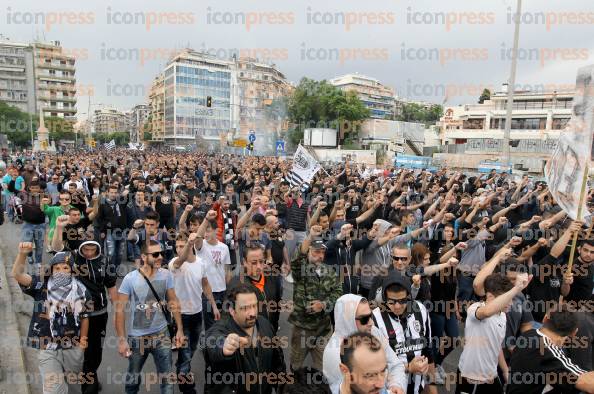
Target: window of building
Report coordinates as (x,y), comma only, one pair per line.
(474,124)
(559,123)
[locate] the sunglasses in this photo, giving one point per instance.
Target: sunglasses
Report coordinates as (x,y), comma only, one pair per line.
(394,301)
(156,254)
(364,319)
(399,258)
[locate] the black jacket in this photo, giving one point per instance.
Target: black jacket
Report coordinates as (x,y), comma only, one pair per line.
(109,219)
(266,360)
(96,274)
(269,300)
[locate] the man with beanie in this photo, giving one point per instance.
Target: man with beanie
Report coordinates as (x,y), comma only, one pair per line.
(351,314)
(59,325)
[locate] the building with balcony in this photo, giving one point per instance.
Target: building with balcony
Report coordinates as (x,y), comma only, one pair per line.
(200,99)
(55,80)
(16,75)
(136,118)
(109,120)
(476,131)
(157,109)
(261,89)
(379,98)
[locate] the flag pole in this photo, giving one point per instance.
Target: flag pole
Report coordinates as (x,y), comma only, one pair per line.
(579,217)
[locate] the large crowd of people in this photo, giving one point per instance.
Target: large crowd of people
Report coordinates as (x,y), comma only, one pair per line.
(378,275)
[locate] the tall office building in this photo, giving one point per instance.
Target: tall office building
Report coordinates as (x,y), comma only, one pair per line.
(199,96)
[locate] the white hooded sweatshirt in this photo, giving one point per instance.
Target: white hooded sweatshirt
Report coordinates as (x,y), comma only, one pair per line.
(345,311)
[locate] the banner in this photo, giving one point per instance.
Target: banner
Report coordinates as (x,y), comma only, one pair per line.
(109,145)
(305,167)
(565,169)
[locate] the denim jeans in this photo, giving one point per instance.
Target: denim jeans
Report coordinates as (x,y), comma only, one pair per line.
(115,241)
(34,233)
(465,293)
(443,326)
(192,326)
(207,314)
(160,347)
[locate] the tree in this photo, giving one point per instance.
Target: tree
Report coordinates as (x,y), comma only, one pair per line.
(320,104)
(486,95)
(413,112)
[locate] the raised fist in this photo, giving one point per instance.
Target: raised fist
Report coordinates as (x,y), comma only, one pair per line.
(315,231)
(25,247)
(211,215)
(522,280)
(62,220)
(232,343)
(188,208)
(192,238)
(138,223)
(322,204)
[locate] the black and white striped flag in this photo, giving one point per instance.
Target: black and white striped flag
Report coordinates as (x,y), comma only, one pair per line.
(109,145)
(305,167)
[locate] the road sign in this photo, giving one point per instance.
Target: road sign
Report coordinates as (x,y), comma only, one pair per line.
(252,137)
(240,143)
(280,146)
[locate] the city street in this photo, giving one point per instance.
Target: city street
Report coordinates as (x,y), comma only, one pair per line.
(113,366)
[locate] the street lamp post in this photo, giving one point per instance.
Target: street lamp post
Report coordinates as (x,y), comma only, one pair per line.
(510,87)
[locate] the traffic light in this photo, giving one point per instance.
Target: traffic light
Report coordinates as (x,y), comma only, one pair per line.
(251,146)
(208,101)
(92,143)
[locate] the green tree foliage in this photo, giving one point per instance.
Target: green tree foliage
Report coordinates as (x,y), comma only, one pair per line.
(486,95)
(17,126)
(320,104)
(412,112)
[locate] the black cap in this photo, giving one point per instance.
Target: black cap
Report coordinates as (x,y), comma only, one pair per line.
(317,244)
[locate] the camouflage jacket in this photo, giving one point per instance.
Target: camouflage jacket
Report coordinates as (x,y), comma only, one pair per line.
(310,285)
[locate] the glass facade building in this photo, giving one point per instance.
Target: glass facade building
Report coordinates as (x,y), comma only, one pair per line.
(189,79)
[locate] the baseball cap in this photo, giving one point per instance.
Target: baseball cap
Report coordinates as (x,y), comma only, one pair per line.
(60,258)
(317,244)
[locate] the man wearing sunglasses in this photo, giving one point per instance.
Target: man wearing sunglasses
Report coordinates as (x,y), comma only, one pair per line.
(148,331)
(406,325)
(352,314)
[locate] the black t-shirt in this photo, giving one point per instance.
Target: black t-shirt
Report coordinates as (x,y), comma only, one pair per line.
(73,236)
(583,282)
(537,362)
(545,286)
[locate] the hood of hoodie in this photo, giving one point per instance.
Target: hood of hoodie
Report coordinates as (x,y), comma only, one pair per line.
(395,277)
(89,243)
(345,311)
(384,225)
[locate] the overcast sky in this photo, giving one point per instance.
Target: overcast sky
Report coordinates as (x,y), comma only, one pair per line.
(397,42)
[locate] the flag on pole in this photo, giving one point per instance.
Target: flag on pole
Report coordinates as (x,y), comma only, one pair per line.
(109,145)
(132,146)
(565,169)
(141,147)
(305,167)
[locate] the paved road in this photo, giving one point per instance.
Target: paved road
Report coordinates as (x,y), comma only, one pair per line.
(113,366)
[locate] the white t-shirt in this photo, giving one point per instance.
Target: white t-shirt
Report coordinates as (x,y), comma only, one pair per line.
(187,280)
(482,346)
(215,257)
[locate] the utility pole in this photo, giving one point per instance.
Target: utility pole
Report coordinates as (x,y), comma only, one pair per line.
(510,88)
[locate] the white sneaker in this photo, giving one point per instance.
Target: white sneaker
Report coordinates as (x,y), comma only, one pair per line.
(289,278)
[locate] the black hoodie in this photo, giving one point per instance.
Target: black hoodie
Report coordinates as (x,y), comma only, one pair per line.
(96,274)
